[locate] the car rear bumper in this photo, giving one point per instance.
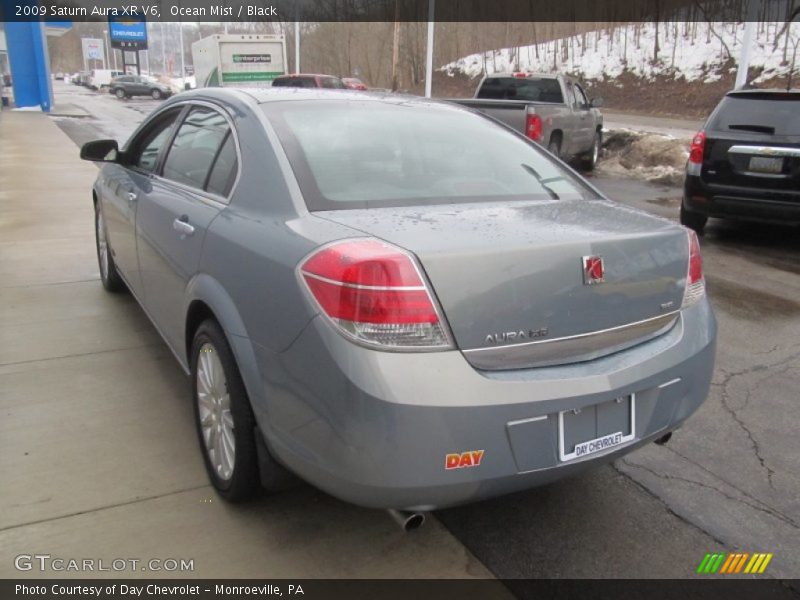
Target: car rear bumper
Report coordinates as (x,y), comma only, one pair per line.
(741,203)
(374,428)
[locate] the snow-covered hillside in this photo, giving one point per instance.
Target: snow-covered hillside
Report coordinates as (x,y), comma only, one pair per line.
(691,50)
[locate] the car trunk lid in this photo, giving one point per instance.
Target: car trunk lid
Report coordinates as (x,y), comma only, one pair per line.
(510,276)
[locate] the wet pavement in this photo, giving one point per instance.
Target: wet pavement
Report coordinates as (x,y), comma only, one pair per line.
(728,480)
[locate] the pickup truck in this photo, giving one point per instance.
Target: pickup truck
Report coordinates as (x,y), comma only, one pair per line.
(552,110)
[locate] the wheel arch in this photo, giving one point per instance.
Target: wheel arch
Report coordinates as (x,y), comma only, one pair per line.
(207,299)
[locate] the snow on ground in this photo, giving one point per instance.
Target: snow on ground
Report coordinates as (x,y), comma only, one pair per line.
(697,52)
(649,156)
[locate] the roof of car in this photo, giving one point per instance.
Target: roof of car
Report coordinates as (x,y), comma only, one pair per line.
(765,91)
(292,75)
(520,75)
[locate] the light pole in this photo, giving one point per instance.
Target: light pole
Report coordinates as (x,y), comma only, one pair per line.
(297,47)
(183,65)
(163,50)
(107,45)
(429,51)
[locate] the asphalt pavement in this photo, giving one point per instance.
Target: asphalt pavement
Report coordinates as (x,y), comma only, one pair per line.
(729,480)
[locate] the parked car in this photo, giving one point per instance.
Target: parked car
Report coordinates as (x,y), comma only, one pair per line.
(745,163)
(401,301)
(59,76)
(101,78)
(304,80)
(552,110)
(353,83)
(138,85)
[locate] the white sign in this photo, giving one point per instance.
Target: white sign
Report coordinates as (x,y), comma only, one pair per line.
(92,49)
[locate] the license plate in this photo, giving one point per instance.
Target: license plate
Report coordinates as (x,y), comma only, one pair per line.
(596,429)
(764,164)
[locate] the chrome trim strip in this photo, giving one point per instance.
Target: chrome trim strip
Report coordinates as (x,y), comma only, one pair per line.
(531,420)
(669,383)
(357,286)
(575,348)
(775,151)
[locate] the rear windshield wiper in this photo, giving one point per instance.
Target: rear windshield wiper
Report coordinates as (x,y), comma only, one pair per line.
(543,182)
(757,128)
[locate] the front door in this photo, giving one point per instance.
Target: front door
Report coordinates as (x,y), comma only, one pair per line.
(124,186)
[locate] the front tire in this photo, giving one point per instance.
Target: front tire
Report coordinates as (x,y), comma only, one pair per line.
(109,276)
(692,220)
(225,423)
(120,93)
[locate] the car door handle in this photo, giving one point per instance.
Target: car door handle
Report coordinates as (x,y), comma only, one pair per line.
(181,226)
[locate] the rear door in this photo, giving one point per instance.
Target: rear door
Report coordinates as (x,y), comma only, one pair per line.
(196,177)
(753,141)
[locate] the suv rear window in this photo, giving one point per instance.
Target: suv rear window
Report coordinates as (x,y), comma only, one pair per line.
(529,89)
(771,113)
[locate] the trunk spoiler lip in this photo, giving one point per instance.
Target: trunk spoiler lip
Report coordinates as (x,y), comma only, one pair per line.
(570,349)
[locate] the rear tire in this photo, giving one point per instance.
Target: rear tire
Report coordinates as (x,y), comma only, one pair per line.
(109,276)
(589,160)
(224,419)
(692,220)
(554,146)
(120,93)
(156,94)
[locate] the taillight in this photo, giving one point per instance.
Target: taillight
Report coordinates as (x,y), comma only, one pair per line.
(696,152)
(695,283)
(375,293)
(533,127)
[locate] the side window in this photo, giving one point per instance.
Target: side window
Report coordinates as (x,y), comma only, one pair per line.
(223,173)
(581,97)
(195,147)
(147,147)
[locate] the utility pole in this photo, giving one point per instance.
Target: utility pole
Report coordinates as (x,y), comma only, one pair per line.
(297,47)
(429,51)
(747,43)
(396,46)
(183,64)
(163,49)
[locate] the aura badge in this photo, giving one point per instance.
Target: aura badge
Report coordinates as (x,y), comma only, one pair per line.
(593,270)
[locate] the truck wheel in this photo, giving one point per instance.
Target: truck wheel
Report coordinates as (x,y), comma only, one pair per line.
(120,93)
(692,220)
(589,160)
(554,147)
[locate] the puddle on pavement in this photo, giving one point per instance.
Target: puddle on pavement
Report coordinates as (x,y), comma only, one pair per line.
(749,303)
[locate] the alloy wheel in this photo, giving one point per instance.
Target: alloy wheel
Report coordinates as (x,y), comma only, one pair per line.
(214,410)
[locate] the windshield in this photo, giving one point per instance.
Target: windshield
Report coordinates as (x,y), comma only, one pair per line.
(358,154)
(773,113)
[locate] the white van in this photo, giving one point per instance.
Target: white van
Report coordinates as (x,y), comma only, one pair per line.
(100,78)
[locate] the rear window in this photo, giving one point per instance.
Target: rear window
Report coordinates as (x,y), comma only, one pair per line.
(360,154)
(517,88)
(297,82)
(777,114)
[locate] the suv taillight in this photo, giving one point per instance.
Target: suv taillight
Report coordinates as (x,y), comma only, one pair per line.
(696,152)
(533,127)
(375,294)
(695,283)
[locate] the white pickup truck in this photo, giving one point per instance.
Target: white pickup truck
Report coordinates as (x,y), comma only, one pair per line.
(552,110)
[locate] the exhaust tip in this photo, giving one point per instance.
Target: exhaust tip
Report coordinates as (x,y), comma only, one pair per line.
(408,521)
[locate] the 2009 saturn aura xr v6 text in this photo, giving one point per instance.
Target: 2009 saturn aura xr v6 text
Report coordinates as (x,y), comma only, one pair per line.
(401,301)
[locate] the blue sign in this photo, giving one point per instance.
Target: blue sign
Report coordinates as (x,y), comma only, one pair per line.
(130,34)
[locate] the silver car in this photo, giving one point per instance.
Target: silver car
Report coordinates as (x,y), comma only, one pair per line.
(400,301)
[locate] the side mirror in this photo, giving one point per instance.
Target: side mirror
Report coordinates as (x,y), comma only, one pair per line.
(100,151)
(596,102)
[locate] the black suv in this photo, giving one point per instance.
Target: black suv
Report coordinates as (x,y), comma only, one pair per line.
(136,85)
(745,163)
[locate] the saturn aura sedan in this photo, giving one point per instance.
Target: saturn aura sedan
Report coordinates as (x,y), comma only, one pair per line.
(400,301)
